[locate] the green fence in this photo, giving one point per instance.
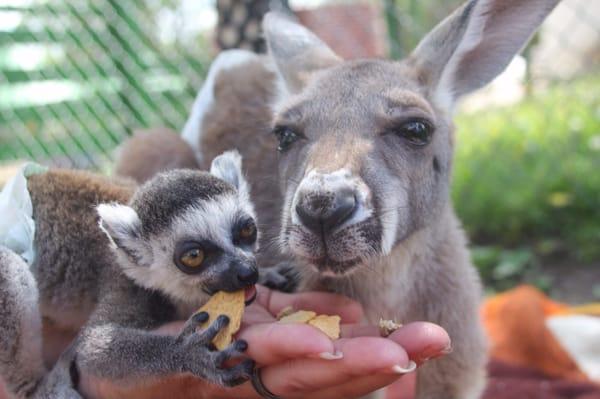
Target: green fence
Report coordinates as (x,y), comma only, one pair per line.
(77,76)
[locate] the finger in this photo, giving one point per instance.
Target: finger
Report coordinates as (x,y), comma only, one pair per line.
(255,314)
(359,330)
(320,302)
(357,388)
(270,343)
(404,388)
(361,357)
(422,341)
(363,362)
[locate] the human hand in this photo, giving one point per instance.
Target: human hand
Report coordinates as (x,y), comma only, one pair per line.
(298,361)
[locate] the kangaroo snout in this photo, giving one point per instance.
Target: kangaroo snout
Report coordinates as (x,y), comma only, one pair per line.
(332,221)
(323,212)
(325,202)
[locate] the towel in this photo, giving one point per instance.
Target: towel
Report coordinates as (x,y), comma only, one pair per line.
(17,228)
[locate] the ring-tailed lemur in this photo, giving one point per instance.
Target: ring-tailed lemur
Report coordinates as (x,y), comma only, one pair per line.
(173,241)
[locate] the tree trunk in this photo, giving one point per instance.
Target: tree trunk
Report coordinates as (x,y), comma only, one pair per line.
(239,24)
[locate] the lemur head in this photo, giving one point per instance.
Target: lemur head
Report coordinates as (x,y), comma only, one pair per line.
(187,233)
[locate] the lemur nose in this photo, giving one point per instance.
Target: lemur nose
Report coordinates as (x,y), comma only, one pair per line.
(248,275)
(324,212)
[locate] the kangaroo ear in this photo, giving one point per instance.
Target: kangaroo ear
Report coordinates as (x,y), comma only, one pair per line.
(121,224)
(475,44)
(297,52)
(228,167)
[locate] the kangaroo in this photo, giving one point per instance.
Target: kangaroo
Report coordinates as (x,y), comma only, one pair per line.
(362,154)
(149,152)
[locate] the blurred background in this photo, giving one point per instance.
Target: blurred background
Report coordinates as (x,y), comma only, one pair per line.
(78,77)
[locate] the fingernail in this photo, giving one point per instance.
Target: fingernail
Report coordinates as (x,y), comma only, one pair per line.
(432,353)
(331,356)
(397,369)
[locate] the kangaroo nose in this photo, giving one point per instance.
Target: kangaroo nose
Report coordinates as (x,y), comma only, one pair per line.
(247,275)
(326,212)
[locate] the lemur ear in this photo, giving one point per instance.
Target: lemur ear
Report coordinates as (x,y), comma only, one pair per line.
(121,224)
(228,167)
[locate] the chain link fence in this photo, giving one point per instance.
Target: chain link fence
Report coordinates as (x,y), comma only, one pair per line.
(77,76)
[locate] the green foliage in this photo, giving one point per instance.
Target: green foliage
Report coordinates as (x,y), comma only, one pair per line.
(596,291)
(529,174)
(409,20)
(502,268)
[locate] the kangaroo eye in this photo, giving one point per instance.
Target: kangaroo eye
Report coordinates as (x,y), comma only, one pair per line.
(416,132)
(286,137)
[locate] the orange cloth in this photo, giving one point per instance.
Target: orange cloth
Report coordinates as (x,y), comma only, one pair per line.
(515,322)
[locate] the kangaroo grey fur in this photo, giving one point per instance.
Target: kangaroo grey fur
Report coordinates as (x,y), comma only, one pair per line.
(406,257)
(118,284)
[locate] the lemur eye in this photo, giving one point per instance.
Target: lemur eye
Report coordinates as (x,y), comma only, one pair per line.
(248,232)
(286,136)
(416,132)
(193,258)
(245,233)
(189,257)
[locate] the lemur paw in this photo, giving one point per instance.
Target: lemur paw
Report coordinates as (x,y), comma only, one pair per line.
(238,374)
(201,359)
(189,329)
(281,277)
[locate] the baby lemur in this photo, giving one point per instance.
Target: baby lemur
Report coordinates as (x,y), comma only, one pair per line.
(154,255)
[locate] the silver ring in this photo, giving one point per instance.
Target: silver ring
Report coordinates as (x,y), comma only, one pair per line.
(259,386)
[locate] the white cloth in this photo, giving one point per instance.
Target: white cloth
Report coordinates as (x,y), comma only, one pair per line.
(17,228)
(580,336)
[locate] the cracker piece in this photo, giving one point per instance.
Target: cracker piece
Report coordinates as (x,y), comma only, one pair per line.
(288,310)
(330,325)
(230,304)
(301,316)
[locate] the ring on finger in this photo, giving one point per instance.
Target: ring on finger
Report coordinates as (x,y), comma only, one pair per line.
(259,385)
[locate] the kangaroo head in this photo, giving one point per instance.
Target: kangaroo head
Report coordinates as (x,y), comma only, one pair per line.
(366,146)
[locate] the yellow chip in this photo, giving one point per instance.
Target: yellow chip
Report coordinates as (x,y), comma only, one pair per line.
(230,304)
(301,316)
(330,325)
(288,310)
